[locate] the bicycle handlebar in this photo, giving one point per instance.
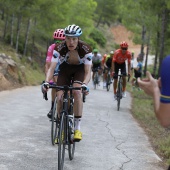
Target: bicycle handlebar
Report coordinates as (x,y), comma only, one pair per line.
(65,88)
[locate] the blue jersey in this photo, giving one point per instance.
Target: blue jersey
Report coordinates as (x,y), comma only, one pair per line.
(165,80)
(140,67)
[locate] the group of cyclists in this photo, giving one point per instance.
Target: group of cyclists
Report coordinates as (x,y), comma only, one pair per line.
(114,61)
(69,57)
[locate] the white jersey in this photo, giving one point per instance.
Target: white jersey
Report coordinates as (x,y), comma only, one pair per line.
(96,59)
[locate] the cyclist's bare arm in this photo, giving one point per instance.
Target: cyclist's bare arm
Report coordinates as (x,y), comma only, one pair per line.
(47,66)
(87,75)
(50,71)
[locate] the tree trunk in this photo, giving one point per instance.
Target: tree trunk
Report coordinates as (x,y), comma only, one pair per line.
(143,42)
(18,32)
(162,37)
(5,29)
(156,56)
(3,12)
(12,26)
(27,34)
(147,52)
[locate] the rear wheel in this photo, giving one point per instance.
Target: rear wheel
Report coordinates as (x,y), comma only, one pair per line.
(62,143)
(54,123)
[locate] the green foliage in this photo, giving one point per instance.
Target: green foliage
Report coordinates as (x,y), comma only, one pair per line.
(97,36)
(91,42)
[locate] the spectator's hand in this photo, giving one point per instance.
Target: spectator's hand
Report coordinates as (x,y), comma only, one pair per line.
(85,89)
(149,85)
(44,87)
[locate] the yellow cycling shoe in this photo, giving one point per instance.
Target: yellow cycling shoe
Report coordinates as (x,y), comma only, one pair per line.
(77,135)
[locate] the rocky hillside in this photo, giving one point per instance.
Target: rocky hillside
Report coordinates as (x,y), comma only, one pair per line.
(10,73)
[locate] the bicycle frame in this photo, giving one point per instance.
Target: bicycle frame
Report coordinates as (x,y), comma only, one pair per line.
(64,136)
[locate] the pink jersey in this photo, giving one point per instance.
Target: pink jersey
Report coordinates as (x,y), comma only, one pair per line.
(50,52)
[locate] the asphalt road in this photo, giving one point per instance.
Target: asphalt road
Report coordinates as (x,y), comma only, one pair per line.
(112,140)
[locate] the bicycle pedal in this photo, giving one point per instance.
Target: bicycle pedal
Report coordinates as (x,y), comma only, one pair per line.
(77,140)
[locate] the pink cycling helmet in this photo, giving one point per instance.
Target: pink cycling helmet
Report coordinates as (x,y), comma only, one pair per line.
(59,34)
(124,44)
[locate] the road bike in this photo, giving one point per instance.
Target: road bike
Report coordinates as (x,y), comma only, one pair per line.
(108,81)
(119,89)
(65,135)
(96,77)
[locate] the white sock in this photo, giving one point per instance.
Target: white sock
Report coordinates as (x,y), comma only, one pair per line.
(77,122)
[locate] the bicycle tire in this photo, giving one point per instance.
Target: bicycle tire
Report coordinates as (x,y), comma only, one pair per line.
(71,144)
(62,144)
(119,95)
(95,80)
(108,82)
(54,123)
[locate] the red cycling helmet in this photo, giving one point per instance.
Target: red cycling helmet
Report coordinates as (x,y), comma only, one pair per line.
(59,34)
(124,44)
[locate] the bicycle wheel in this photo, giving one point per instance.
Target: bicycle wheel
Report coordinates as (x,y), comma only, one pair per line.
(95,80)
(54,123)
(71,143)
(108,82)
(119,91)
(62,144)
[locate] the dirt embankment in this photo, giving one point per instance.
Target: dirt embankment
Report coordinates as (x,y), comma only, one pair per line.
(122,34)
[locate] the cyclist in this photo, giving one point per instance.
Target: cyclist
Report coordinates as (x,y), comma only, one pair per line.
(58,36)
(107,66)
(118,62)
(160,91)
(76,60)
(137,72)
(96,63)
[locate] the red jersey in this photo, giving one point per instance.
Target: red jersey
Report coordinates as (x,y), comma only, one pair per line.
(120,58)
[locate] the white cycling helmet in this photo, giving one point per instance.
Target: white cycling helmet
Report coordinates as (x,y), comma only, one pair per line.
(73,31)
(111,52)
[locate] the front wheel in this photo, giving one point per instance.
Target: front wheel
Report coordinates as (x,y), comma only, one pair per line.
(108,82)
(119,95)
(71,143)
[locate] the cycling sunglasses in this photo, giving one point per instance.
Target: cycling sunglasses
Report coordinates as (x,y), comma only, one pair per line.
(58,41)
(124,48)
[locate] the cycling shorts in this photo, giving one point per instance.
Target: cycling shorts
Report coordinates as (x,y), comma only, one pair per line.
(119,66)
(96,67)
(68,71)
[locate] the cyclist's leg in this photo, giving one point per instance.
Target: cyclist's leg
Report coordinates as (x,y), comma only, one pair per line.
(115,79)
(123,70)
(78,104)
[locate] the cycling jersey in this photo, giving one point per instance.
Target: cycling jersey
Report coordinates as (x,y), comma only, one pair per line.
(120,58)
(108,61)
(50,55)
(96,59)
(50,52)
(82,54)
(165,80)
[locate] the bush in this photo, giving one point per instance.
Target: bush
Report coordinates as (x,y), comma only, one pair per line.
(91,42)
(98,37)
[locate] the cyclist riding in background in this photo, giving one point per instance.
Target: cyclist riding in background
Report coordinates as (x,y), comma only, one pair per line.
(107,66)
(58,37)
(96,63)
(118,62)
(75,57)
